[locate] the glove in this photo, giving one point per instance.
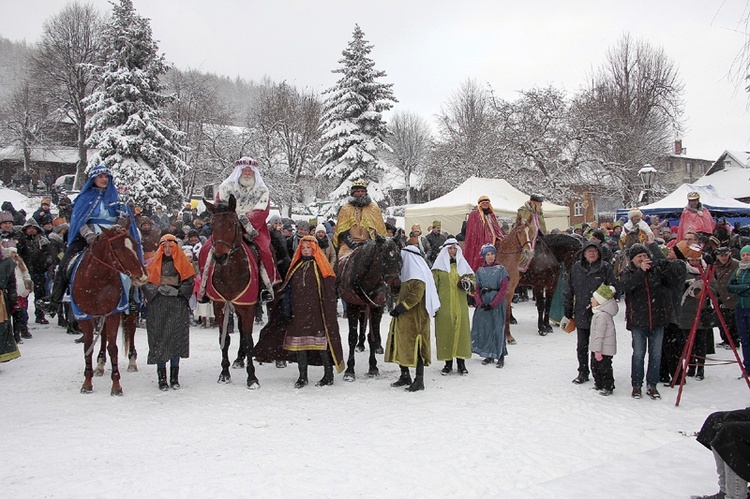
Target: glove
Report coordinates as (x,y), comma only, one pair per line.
(398,310)
(564,322)
(250,231)
(598,356)
(167,290)
(487,307)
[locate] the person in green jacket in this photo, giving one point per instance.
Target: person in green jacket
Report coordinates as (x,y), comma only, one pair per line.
(409,335)
(454,278)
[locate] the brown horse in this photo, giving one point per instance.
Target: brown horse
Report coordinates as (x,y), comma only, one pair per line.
(363,279)
(112,253)
(518,243)
(551,253)
(230,269)
(129,325)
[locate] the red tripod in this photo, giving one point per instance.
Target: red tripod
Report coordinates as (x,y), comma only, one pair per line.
(687,352)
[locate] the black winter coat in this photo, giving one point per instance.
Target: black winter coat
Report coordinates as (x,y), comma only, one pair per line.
(648,295)
(584,279)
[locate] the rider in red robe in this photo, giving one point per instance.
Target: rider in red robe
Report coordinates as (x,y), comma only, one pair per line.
(695,218)
(482,228)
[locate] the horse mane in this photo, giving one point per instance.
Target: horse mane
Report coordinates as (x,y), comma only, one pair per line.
(222,207)
(564,242)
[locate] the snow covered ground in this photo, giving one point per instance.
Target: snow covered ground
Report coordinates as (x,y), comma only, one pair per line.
(523,431)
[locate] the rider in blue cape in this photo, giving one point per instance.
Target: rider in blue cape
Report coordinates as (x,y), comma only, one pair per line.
(97,206)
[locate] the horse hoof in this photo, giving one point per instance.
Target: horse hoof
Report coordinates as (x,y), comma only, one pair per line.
(132,369)
(87,389)
(513,320)
(238,364)
(98,372)
(379,350)
(253,384)
(373,372)
(349,377)
(116,392)
(224,379)
(359,348)
(511,340)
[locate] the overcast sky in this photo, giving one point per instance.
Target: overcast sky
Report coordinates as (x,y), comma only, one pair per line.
(429,48)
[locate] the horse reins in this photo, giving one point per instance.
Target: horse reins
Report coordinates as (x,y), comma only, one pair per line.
(111,250)
(232,246)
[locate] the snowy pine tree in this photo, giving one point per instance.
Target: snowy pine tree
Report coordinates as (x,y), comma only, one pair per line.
(125,121)
(353,129)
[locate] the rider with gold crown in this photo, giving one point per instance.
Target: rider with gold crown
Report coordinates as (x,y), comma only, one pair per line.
(253,205)
(359,220)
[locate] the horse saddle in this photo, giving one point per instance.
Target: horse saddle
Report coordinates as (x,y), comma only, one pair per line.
(72,263)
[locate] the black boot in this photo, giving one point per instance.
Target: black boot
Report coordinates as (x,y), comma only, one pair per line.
(405,378)
(50,304)
(461,367)
(174,373)
(302,363)
(161,374)
(418,383)
(448,368)
(327,378)
(501,362)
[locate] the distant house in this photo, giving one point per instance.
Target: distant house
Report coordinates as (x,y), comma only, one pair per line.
(730,175)
(58,160)
(678,168)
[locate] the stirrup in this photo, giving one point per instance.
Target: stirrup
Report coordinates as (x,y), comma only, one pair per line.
(266,296)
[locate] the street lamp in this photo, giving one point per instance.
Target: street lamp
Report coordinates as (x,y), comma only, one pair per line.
(648,175)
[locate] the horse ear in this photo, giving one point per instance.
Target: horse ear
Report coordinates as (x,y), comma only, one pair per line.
(232,202)
(209,205)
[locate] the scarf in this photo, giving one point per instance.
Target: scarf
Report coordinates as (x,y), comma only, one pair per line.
(181,262)
(414,267)
(320,259)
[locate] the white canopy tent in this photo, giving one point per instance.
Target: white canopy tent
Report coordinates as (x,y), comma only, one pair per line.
(451,209)
(670,207)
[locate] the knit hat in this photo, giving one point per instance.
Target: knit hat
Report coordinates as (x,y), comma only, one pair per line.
(320,227)
(6,216)
(46,201)
(487,248)
(60,228)
(723,250)
(604,293)
(98,170)
(416,227)
(483,198)
(636,250)
(274,219)
(635,212)
(537,197)
(745,249)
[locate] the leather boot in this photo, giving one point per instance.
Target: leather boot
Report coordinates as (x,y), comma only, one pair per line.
(418,383)
(461,367)
(327,378)
(445,371)
(302,364)
(161,374)
(405,378)
(174,373)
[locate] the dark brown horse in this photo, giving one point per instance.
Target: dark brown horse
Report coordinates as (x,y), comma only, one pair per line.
(516,244)
(230,269)
(363,278)
(97,290)
(552,253)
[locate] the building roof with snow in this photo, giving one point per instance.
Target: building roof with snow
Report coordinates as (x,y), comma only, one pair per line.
(730,175)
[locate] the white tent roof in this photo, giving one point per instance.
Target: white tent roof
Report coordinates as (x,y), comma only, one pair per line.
(709,196)
(452,208)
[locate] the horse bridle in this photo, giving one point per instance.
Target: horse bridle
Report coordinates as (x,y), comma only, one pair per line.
(522,245)
(111,250)
(232,245)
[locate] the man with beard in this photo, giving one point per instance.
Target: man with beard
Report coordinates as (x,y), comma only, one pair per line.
(359,220)
(482,228)
(253,204)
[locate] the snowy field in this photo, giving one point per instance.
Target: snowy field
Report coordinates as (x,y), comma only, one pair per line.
(523,431)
